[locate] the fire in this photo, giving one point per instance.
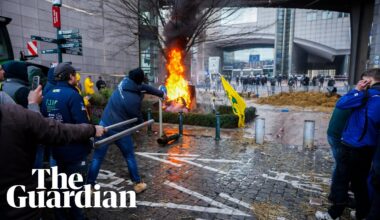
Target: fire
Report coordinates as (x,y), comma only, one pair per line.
(176,84)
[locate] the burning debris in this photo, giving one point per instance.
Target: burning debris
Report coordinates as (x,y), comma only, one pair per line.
(176,84)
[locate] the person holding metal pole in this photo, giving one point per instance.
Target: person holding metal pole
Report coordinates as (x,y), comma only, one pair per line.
(124,104)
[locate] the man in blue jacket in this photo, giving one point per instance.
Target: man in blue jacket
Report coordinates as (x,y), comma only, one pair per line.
(359,140)
(124,104)
(63,103)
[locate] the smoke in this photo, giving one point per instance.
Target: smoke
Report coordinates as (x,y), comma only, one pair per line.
(184,20)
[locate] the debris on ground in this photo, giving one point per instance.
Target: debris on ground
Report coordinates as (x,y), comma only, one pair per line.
(269,211)
(300,99)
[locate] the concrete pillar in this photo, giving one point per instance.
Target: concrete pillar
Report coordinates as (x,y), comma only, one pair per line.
(374,58)
(361,20)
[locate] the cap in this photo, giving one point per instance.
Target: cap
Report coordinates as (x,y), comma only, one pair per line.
(62,71)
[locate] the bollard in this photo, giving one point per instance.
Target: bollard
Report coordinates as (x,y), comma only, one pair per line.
(149,117)
(308,134)
(160,116)
(259,130)
(180,125)
(217,126)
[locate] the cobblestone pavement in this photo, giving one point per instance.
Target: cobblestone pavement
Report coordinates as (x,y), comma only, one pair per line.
(234,178)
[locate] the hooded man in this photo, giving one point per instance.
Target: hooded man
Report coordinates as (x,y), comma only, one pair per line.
(16,83)
(51,82)
(124,104)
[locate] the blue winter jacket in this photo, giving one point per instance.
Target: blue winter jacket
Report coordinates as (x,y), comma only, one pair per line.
(125,103)
(63,103)
(362,129)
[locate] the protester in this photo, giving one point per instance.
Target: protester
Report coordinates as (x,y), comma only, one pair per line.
(20,132)
(273,85)
(35,71)
(51,82)
(2,72)
(374,213)
(100,84)
(124,104)
(5,98)
(359,139)
(88,86)
(65,104)
(79,85)
(279,80)
(16,83)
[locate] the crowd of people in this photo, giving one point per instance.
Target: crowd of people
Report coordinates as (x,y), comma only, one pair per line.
(52,123)
(251,83)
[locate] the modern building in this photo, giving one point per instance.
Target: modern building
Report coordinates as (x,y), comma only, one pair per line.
(298,41)
(107,46)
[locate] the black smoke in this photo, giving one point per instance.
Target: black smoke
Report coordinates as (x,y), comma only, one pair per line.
(184,20)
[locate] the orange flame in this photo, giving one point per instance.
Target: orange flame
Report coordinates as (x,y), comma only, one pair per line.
(176,84)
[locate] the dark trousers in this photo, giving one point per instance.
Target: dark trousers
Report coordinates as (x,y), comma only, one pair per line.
(353,168)
(73,213)
(374,213)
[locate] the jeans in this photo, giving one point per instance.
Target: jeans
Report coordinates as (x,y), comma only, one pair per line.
(41,153)
(126,147)
(352,167)
(336,148)
(74,212)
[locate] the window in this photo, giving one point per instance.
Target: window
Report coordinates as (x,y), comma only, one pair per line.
(311,16)
(327,15)
(342,15)
(5,45)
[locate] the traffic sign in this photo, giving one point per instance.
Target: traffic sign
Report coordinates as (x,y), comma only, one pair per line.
(57,2)
(49,51)
(66,32)
(72,52)
(56,12)
(32,48)
(70,36)
(44,39)
(71,45)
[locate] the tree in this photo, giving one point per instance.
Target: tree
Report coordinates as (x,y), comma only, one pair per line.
(180,23)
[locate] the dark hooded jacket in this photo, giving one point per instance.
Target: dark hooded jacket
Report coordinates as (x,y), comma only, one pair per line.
(20,131)
(16,83)
(51,82)
(125,102)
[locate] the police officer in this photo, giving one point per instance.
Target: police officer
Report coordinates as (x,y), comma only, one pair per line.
(63,103)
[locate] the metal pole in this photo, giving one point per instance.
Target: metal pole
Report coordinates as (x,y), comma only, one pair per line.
(149,117)
(130,121)
(59,51)
(217,126)
(308,134)
(160,116)
(259,130)
(121,134)
(180,125)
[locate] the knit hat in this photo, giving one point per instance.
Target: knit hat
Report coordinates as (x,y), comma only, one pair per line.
(16,69)
(137,75)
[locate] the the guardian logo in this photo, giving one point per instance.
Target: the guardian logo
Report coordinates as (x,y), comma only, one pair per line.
(65,188)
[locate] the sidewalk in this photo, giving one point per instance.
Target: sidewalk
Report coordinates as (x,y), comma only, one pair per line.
(198,177)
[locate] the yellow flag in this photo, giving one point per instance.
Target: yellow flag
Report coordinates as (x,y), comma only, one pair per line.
(237,102)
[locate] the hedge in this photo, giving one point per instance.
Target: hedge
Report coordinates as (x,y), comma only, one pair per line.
(227,118)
